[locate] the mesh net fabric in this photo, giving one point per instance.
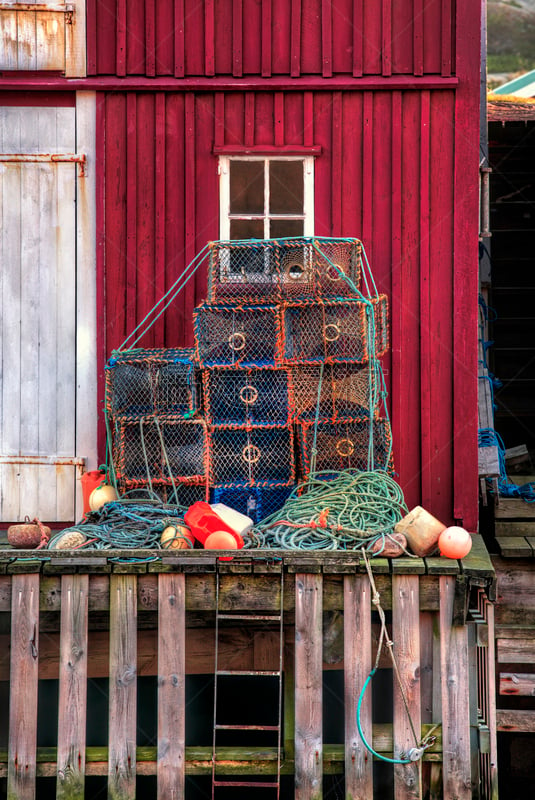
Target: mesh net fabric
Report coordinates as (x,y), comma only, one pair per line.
(247,396)
(274,269)
(256,503)
(143,382)
(246,335)
(345,445)
(344,391)
(156,449)
(241,457)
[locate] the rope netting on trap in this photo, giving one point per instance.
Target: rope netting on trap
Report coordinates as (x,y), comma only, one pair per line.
(283,388)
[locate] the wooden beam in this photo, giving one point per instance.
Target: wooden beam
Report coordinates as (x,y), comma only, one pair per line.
(24,675)
(357,666)
(171,686)
(455,697)
(308,687)
(122,687)
(72,706)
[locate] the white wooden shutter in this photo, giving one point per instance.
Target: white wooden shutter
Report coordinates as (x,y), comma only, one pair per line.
(43,36)
(38,175)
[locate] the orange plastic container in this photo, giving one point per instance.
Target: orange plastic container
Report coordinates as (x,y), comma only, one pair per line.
(202,521)
(90,481)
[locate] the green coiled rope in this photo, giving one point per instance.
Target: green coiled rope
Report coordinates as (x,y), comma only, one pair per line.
(353,510)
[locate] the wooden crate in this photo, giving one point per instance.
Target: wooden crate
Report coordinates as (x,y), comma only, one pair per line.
(79,616)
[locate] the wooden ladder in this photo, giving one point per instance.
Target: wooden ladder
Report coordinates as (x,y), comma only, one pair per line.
(234,678)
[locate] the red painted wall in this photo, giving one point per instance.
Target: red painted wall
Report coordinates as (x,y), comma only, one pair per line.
(398,168)
(386,173)
(270,37)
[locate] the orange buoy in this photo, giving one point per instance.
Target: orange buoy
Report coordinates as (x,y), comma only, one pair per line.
(177,537)
(101,495)
(220,540)
(454,542)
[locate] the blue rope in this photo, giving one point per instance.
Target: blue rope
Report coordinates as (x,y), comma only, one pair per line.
(488,437)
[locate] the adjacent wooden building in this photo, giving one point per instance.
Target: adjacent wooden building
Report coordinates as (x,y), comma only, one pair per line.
(124,130)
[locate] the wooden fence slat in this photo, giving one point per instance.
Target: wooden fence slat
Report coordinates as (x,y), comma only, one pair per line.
(357,666)
(454,675)
(171,685)
(406,637)
(308,687)
(72,706)
(23,687)
(123,685)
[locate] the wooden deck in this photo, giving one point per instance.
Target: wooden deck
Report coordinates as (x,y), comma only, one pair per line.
(78,616)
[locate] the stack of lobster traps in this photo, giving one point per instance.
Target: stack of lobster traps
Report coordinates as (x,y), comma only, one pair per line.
(284,380)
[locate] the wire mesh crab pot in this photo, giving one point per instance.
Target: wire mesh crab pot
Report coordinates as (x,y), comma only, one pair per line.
(144,382)
(174,493)
(247,396)
(275,269)
(254,502)
(251,456)
(245,335)
(345,445)
(333,331)
(330,392)
(154,449)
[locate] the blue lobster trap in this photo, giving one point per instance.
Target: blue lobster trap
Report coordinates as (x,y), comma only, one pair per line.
(247,396)
(254,502)
(237,335)
(251,456)
(145,382)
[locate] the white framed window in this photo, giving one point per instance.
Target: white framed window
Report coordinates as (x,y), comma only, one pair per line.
(266,197)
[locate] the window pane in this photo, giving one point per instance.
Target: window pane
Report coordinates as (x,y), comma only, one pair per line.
(246,228)
(246,187)
(285,227)
(286,187)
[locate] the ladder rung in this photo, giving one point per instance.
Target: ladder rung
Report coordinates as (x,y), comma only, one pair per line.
(247,672)
(252,617)
(248,784)
(221,727)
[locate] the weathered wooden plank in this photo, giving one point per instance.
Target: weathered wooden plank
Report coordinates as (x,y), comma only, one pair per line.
(308,687)
(478,562)
(72,706)
(455,697)
(514,547)
(407,703)
(171,685)
(504,529)
(515,721)
(357,666)
(514,508)
(24,674)
(517,684)
(516,650)
(123,683)
(49,40)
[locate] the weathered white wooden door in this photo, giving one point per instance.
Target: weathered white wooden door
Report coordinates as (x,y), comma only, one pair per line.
(39,171)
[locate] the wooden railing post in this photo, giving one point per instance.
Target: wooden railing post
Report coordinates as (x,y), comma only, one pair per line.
(308,687)
(72,710)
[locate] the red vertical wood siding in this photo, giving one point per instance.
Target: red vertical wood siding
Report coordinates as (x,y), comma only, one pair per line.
(385,174)
(270,37)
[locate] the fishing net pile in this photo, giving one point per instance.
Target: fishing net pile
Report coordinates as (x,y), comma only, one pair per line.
(281,394)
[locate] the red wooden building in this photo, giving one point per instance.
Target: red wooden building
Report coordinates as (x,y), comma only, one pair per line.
(376,102)
(128,133)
